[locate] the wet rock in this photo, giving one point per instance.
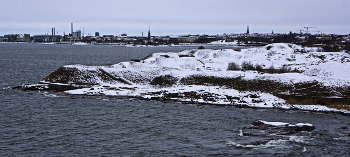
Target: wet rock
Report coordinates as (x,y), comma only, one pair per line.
(254,96)
(263,132)
(257,101)
(346,133)
(191,94)
(231,98)
(155,98)
(61,87)
(32,87)
(172,95)
(261,128)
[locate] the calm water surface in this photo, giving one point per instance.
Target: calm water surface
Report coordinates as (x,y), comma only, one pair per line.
(35,123)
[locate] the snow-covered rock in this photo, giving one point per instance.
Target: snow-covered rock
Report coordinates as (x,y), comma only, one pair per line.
(329,69)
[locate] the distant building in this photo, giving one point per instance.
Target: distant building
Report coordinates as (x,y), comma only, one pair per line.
(12,37)
(77,35)
(191,39)
(47,38)
(3,39)
(20,38)
(17,38)
(108,38)
(97,34)
(27,37)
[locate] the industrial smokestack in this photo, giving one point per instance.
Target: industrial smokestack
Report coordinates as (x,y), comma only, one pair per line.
(54,31)
(71,28)
(52,34)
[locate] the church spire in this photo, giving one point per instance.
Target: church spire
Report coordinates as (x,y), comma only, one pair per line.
(149,32)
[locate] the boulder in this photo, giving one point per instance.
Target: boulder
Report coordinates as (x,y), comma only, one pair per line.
(260,128)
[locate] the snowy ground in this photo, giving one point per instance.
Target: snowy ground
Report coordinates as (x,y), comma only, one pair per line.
(331,69)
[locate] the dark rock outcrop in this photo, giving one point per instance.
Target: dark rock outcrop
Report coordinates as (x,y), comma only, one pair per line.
(260,128)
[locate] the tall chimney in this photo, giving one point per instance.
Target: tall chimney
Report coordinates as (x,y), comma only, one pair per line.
(54,31)
(71,28)
(52,35)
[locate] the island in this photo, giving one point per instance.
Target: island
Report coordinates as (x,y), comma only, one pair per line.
(279,75)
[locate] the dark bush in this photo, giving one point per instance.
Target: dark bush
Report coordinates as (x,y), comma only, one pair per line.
(238,83)
(247,66)
(322,57)
(237,49)
(269,47)
(331,48)
(285,69)
(164,81)
(307,89)
(233,66)
(296,70)
(259,68)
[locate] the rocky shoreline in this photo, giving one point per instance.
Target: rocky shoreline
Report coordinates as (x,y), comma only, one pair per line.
(197,97)
(283,76)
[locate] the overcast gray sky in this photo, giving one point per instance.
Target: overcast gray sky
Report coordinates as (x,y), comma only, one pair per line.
(174,17)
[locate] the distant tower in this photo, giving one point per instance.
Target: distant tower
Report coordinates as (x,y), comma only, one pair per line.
(248,29)
(272,32)
(149,33)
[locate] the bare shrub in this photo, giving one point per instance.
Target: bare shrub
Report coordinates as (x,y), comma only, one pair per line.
(296,70)
(331,48)
(271,53)
(269,47)
(164,81)
(233,66)
(259,68)
(285,69)
(247,66)
(307,89)
(271,70)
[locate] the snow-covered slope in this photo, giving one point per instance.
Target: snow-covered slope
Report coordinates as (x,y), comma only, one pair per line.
(328,69)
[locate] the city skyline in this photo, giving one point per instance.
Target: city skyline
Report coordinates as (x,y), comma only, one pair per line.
(174,17)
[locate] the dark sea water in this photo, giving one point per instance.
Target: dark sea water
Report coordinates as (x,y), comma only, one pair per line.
(34,123)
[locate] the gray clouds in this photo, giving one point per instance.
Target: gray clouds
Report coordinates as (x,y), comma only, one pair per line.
(174,17)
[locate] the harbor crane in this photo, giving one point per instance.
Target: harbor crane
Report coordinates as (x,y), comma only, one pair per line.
(307,29)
